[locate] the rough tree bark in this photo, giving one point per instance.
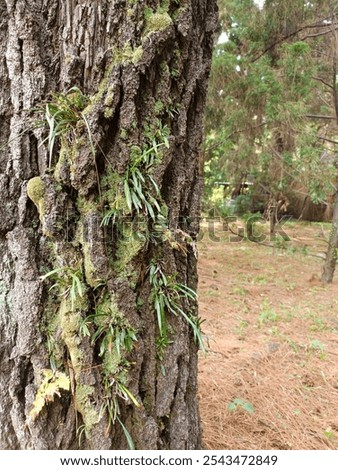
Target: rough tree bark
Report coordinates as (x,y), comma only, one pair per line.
(144,67)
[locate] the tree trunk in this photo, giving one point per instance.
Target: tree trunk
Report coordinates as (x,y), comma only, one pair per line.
(331,254)
(94,358)
(270,215)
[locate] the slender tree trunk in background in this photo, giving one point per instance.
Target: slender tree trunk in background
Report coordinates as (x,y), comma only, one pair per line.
(271,216)
(145,66)
(331,254)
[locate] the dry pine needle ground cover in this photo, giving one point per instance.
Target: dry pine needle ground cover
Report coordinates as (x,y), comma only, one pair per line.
(273,343)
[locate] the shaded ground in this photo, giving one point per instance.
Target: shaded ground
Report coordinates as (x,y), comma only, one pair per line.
(273,343)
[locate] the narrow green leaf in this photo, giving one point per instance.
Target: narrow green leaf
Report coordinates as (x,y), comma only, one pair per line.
(130,441)
(150,209)
(50,273)
(128,393)
(78,286)
(153,182)
(136,201)
(159,315)
(139,175)
(127,195)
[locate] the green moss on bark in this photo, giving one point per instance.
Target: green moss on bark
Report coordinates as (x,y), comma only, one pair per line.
(156,21)
(128,247)
(84,406)
(36,193)
(70,321)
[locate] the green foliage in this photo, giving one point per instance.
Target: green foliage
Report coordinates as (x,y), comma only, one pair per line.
(266,81)
(138,180)
(133,193)
(267,314)
(137,190)
(62,114)
(115,338)
(112,331)
(130,441)
(243,324)
(280,242)
(167,296)
(243,204)
(317,345)
(329,434)
(239,403)
(68,281)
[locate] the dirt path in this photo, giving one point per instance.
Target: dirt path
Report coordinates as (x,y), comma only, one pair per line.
(273,345)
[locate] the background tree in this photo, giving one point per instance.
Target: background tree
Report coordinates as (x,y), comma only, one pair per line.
(272,99)
(107,357)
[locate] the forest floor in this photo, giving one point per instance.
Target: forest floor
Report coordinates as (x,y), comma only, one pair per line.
(270,376)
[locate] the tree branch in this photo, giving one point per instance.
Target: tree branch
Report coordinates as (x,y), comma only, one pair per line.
(314,116)
(322,25)
(328,140)
(239,131)
(322,33)
(290,35)
(323,81)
